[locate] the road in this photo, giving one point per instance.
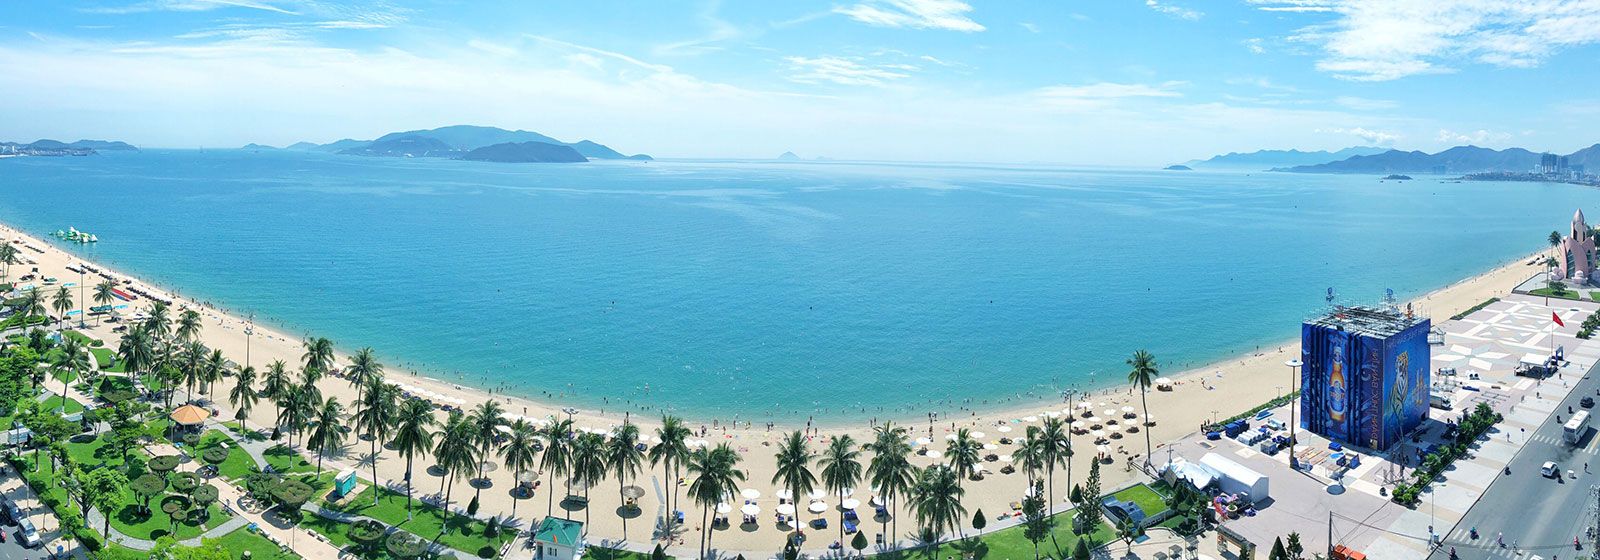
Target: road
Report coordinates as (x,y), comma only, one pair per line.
(1541,515)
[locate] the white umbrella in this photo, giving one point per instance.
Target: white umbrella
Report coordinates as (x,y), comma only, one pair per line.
(990,446)
(1078,424)
(1109,413)
(1094,420)
(785,494)
(935,454)
(876,500)
(1127,410)
(1030,419)
(1163,381)
(846,492)
(1006,458)
(978,468)
(1097,434)
(724,508)
(750,509)
(750,493)
(851,503)
(978,435)
(817,507)
(950,437)
(1084,405)
(1103,448)
(817,494)
(924,441)
(1004,429)
(1053,414)
(786,509)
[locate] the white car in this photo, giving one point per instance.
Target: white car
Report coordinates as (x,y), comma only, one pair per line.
(1550,469)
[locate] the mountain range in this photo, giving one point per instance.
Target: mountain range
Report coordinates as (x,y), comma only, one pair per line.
(460,140)
(1263,159)
(1457,160)
(57,148)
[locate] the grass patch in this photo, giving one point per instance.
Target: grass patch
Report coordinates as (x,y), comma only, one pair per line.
(241,540)
(103,358)
(1144,497)
(94,452)
(71,406)
(134,523)
(1479,307)
(458,532)
(285,460)
(1009,543)
(238,464)
(1563,294)
(86,340)
(600,553)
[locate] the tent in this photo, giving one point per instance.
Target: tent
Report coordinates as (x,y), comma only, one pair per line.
(1235,478)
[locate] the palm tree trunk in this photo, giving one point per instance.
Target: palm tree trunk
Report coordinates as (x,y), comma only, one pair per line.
(408,484)
(1146,406)
(514,500)
(620,482)
(446,526)
(374,470)
(550,494)
(485,458)
(705,513)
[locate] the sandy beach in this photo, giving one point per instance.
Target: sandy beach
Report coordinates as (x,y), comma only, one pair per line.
(1200,394)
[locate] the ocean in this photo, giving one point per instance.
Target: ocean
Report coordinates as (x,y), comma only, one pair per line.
(773,291)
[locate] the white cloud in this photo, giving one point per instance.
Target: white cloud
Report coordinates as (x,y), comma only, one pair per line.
(1378,40)
(1367,135)
(1099,95)
(1030,27)
(185,6)
(1479,136)
(1254,45)
(845,71)
(920,14)
(1174,10)
(1364,104)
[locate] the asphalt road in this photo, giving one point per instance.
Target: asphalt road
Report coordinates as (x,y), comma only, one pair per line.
(1540,515)
(13,550)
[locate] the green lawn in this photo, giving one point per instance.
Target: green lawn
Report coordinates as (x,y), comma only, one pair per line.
(260,548)
(239,462)
(286,461)
(94,452)
(1010,544)
(86,340)
(135,524)
(103,358)
(464,533)
(54,401)
(1564,294)
(1146,498)
(598,553)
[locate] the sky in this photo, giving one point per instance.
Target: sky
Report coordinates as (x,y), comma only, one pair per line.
(1103,82)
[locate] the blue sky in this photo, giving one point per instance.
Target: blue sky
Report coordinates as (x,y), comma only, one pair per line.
(1132,82)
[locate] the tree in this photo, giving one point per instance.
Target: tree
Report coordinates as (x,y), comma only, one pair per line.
(1555,240)
(188,325)
(890,471)
(521,454)
(377,418)
(70,363)
(1089,508)
(557,458)
(936,500)
(71,523)
(105,493)
(963,454)
(215,367)
(1143,375)
(670,453)
(8,256)
(794,468)
(318,357)
(841,470)
(588,466)
(328,431)
(62,303)
(1081,552)
(136,350)
(716,474)
(104,295)
(859,542)
(978,522)
(1128,531)
(363,368)
(456,453)
(275,387)
(1278,553)
(624,459)
(413,436)
(1293,546)
(658,553)
(486,420)
(193,366)
(243,395)
(1036,522)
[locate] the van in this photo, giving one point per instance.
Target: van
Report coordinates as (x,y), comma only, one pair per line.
(1441,402)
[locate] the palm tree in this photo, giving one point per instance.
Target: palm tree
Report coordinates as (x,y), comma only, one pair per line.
(557,456)
(193,366)
(298,409)
(136,350)
(624,459)
(32,303)
(243,396)
(890,470)
(588,465)
(936,499)
(841,470)
(308,382)
(8,256)
(103,295)
(188,325)
(413,435)
(486,420)
(1031,453)
(1056,451)
(73,360)
(521,454)
(159,324)
(794,468)
(216,366)
(62,303)
(716,475)
(1555,240)
(1143,375)
(963,454)
(377,419)
(275,385)
(328,431)
(670,453)
(318,355)
(363,367)
(456,453)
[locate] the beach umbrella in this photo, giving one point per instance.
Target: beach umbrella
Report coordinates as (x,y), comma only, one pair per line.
(632,492)
(934,454)
(1127,410)
(1078,424)
(876,500)
(1163,381)
(1004,429)
(1103,448)
(750,493)
(1093,419)
(978,435)
(786,509)
(817,494)
(1053,414)
(1030,419)
(750,509)
(1109,413)
(785,494)
(846,492)
(990,446)
(724,508)
(978,468)
(1084,405)
(817,507)
(924,441)
(1097,434)
(950,437)
(850,503)
(1007,458)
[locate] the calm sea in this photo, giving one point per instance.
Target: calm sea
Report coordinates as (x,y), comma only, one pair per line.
(773,291)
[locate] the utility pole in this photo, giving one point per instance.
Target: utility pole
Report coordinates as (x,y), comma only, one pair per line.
(1330,534)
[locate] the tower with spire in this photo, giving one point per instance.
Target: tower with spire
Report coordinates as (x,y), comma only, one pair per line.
(1576,261)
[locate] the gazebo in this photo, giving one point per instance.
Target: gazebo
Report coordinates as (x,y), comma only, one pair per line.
(189,416)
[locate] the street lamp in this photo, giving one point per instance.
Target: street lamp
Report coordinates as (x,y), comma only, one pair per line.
(1294,367)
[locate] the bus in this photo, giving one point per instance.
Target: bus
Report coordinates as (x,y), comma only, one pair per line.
(1574,429)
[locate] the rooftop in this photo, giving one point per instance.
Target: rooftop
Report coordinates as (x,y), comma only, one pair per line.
(1381,323)
(558,531)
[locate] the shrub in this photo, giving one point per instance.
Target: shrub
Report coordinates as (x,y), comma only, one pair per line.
(367,532)
(215,455)
(472,507)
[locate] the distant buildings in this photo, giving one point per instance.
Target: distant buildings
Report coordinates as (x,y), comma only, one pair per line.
(1576,261)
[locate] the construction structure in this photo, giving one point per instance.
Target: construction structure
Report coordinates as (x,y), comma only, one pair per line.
(1366,375)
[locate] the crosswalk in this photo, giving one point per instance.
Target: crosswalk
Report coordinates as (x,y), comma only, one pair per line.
(1591,450)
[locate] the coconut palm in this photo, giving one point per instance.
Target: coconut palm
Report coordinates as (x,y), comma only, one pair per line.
(31,303)
(298,410)
(243,396)
(70,363)
(794,468)
(456,452)
(104,295)
(308,382)
(963,454)
(841,470)
(62,303)
(936,499)
(624,459)
(376,418)
(275,386)
(716,475)
(413,435)
(890,470)
(158,322)
(192,363)
(487,419)
(216,366)
(557,459)
(588,465)
(8,257)
(363,367)
(521,454)
(136,350)
(318,355)
(1143,375)
(670,453)
(188,325)
(1030,453)
(1054,436)
(328,431)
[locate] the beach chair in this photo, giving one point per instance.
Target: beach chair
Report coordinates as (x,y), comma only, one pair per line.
(819,523)
(849,527)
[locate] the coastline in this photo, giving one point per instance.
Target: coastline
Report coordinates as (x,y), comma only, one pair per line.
(1215,390)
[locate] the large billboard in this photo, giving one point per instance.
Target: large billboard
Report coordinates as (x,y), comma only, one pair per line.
(1364,390)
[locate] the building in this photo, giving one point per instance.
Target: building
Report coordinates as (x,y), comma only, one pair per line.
(1548,163)
(558,539)
(1366,376)
(1575,254)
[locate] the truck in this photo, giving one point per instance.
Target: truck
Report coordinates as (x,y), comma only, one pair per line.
(1575,428)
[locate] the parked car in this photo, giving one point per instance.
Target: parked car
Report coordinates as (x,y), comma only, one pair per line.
(1550,469)
(1587,402)
(13,514)
(27,534)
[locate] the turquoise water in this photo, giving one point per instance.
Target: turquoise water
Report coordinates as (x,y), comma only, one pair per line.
(772,291)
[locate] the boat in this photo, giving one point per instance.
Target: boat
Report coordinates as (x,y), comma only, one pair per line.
(72,234)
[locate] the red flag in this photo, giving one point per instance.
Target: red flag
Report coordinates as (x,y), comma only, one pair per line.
(1557,319)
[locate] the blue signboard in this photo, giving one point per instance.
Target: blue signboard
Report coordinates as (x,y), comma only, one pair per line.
(1364,390)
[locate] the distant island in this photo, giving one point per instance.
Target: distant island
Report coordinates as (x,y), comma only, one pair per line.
(1263,159)
(1457,160)
(1178,167)
(57,148)
(1397,178)
(461,140)
(788,156)
(526,152)
(255,146)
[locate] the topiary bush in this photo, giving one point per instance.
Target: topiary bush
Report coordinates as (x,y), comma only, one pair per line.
(215,455)
(184,482)
(164,463)
(401,544)
(367,532)
(190,439)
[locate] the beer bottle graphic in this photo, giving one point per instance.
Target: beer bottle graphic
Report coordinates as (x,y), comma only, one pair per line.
(1336,390)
